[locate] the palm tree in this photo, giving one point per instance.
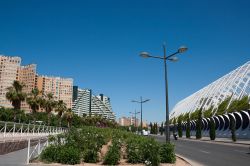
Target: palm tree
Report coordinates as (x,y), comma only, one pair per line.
(60,109)
(16,96)
(34,101)
(69,116)
(48,103)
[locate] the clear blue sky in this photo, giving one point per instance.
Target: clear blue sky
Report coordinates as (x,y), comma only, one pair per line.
(97,43)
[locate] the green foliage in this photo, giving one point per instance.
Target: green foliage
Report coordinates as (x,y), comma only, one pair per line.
(232,128)
(167,154)
(61,154)
(50,154)
(212,132)
(174,123)
(198,124)
(185,117)
(179,126)
(194,115)
(162,129)
(222,107)
(208,113)
(112,157)
(238,105)
(188,128)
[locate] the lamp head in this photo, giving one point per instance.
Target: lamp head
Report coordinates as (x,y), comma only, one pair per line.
(182,49)
(173,59)
(144,54)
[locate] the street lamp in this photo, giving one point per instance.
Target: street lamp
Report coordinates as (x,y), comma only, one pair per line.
(134,113)
(173,58)
(141,101)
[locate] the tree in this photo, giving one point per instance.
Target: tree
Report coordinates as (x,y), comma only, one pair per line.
(223,106)
(162,128)
(232,128)
(60,108)
(174,123)
(238,105)
(212,133)
(179,126)
(33,101)
(48,103)
(69,116)
(151,128)
(208,113)
(16,96)
(198,124)
(188,128)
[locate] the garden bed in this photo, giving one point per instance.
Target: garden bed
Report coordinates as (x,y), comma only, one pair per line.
(95,146)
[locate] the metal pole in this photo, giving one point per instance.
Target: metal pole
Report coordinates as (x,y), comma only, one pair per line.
(166,89)
(28,153)
(141,115)
(135,122)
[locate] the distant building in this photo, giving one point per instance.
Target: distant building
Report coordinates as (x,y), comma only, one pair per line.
(62,88)
(8,73)
(128,121)
(27,75)
(86,103)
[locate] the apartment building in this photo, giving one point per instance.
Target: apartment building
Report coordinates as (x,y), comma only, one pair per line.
(8,73)
(27,75)
(62,88)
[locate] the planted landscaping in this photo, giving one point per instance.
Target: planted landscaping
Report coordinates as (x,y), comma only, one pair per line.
(85,145)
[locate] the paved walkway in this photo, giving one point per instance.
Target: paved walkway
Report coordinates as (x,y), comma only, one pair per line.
(17,158)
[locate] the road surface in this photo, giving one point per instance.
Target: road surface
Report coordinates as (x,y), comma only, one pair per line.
(211,153)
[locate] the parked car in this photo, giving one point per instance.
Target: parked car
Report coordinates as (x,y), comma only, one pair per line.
(144,132)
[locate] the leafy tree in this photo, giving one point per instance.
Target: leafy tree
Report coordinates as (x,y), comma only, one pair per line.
(222,107)
(185,117)
(194,114)
(174,123)
(33,101)
(208,113)
(162,128)
(238,105)
(232,128)
(212,133)
(198,124)
(69,116)
(60,108)
(188,128)
(151,128)
(16,96)
(48,103)
(179,126)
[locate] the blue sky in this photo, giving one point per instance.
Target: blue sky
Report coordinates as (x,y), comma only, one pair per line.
(97,43)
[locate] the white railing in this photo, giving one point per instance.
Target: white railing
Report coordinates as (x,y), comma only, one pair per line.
(12,130)
(35,147)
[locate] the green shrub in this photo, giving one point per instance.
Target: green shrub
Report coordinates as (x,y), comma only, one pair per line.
(133,153)
(212,130)
(150,152)
(167,154)
(50,154)
(188,128)
(112,157)
(69,155)
(198,124)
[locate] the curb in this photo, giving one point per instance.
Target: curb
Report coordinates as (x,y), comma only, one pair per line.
(190,162)
(218,141)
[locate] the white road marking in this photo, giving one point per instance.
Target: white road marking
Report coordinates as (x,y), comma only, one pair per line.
(204,151)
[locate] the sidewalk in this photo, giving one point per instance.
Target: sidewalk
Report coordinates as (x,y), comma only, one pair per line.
(224,140)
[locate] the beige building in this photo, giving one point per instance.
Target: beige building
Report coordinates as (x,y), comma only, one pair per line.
(27,75)
(127,121)
(62,88)
(11,69)
(8,73)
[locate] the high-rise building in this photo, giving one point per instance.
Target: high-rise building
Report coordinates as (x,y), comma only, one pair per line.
(82,103)
(88,104)
(27,75)
(8,73)
(61,88)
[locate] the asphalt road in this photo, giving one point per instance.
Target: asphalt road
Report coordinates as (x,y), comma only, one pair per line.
(211,153)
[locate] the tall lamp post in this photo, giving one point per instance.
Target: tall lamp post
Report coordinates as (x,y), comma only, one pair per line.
(171,57)
(141,101)
(134,113)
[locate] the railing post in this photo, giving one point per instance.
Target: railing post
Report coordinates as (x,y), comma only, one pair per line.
(28,153)
(28,130)
(14,127)
(39,146)
(5,128)
(21,130)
